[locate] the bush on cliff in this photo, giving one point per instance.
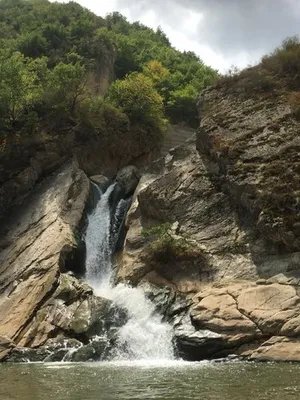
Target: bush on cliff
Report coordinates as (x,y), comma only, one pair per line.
(277,72)
(166,248)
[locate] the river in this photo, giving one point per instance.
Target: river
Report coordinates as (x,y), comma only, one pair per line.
(174,380)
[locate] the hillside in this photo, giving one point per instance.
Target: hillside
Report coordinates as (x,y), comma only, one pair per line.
(57,64)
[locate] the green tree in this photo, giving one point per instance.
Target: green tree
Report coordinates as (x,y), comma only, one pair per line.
(67,84)
(21,84)
(181,105)
(137,97)
(32,45)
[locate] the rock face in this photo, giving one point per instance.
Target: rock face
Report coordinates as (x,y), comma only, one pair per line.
(232,192)
(254,146)
(103,154)
(38,299)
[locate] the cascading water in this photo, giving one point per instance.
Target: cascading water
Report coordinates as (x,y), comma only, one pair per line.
(144,336)
(98,250)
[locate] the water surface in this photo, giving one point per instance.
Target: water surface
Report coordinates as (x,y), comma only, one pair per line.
(138,380)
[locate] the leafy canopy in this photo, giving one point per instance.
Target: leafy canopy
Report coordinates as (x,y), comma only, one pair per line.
(53,57)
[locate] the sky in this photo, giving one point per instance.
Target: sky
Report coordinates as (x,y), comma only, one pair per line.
(224,33)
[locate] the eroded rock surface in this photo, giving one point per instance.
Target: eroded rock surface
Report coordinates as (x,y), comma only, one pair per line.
(38,299)
(233,194)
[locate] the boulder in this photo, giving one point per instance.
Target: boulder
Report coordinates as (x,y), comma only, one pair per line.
(128,177)
(278,348)
(97,350)
(101,181)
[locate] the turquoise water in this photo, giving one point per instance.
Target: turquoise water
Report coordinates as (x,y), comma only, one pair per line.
(164,381)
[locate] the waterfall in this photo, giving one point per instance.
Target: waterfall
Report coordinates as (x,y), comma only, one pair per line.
(98,250)
(144,336)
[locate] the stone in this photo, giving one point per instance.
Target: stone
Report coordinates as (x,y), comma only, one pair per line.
(100,180)
(6,346)
(255,146)
(128,177)
(34,243)
(192,344)
(278,348)
(23,355)
(232,192)
(39,301)
(95,351)
(74,311)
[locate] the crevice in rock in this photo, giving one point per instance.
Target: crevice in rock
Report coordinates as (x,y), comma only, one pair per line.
(243,312)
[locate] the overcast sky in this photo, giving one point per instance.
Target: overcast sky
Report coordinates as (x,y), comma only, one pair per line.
(222,32)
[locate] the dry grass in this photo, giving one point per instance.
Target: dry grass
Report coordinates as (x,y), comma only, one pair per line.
(277,71)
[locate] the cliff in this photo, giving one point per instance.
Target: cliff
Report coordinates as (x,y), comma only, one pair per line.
(232,196)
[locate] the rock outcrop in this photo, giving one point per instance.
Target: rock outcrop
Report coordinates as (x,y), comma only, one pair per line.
(39,299)
(233,194)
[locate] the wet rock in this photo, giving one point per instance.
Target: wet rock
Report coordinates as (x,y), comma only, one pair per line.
(194,345)
(73,310)
(102,181)
(278,348)
(96,351)
(22,355)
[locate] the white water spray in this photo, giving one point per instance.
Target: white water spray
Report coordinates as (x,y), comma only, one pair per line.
(144,336)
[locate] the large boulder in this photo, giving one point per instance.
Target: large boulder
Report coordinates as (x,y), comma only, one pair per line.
(128,178)
(257,320)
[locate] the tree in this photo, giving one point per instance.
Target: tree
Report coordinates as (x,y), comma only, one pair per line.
(32,45)
(67,83)
(181,105)
(137,97)
(155,71)
(21,85)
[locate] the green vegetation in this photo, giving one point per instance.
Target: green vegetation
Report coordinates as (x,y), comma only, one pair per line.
(52,54)
(165,247)
(136,96)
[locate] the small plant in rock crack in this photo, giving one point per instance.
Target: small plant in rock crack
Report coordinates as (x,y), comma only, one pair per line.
(164,246)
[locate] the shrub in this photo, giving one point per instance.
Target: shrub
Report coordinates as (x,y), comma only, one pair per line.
(164,247)
(285,61)
(251,81)
(182,106)
(256,80)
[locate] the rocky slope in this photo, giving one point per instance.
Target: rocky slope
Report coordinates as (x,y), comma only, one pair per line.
(233,195)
